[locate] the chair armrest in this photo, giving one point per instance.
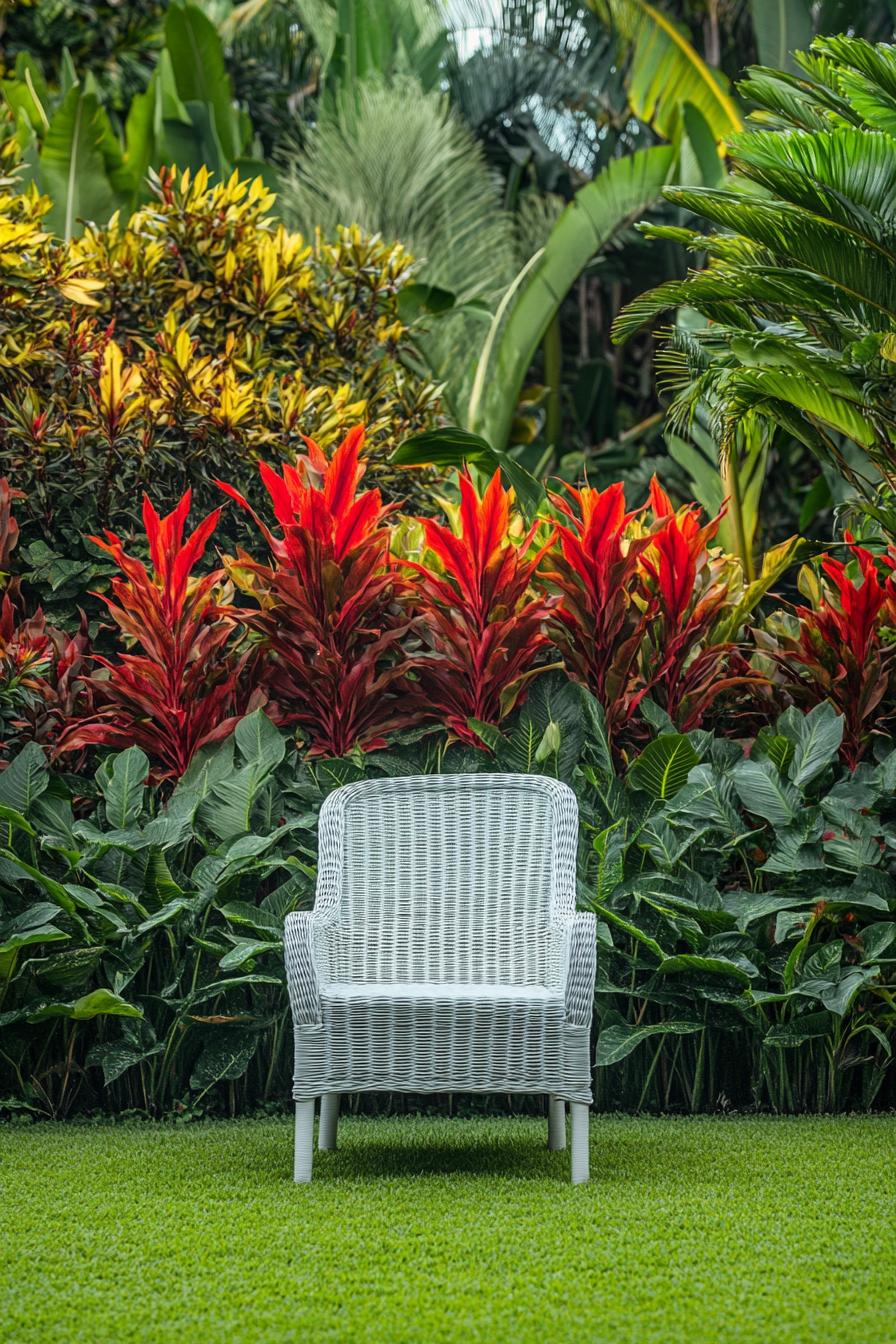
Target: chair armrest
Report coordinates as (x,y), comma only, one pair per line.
(301,974)
(582,970)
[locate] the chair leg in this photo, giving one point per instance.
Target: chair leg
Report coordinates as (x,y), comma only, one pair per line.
(329,1115)
(304,1142)
(578,1116)
(556,1124)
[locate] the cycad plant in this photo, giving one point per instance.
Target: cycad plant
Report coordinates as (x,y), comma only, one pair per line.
(800,286)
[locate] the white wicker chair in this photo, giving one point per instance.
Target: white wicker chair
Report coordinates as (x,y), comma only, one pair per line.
(444,952)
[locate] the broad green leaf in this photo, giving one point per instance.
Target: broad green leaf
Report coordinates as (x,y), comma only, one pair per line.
(617,1041)
(55,890)
(417,298)
(14,821)
(225,1056)
(662,768)
(620,922)
(787,1035)
(764,792)
(816,737)
(116,1057)
(228,809)
(781,28)
(838,992)
(68,970)
(701,965)
(240,912)
(11,940)
(247,949)
(190,906)
(200,71)
(159,879)
(259,742)
(219,987)
(748,906)
(122,781)
(24,779)
(700,140)
(848,854)
(772,746)
(99,1003)
(73,171)
(666,72)
(876,939)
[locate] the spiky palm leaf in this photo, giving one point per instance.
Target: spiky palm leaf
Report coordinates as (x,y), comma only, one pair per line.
(800,287)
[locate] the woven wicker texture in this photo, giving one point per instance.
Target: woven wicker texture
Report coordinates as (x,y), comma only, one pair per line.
(444,952)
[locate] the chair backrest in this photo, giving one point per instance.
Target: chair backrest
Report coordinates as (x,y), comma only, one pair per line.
(448,878)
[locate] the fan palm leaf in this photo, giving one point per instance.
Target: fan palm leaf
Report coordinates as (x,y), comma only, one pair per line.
(399,163)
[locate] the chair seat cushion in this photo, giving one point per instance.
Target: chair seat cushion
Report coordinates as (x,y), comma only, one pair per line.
(432,992)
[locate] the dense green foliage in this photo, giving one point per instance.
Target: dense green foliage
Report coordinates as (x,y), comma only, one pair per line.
(747,914)
(164,330)
(514,112)
(90,151)
(691,1231)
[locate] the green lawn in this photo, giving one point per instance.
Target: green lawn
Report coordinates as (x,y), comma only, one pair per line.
(426,1230)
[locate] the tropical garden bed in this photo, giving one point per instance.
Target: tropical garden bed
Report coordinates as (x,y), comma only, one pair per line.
(337,442)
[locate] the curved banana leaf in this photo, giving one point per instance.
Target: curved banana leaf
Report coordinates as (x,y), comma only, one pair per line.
(450,446)
(197,58)
(624,190)
(75,162)
(666,72)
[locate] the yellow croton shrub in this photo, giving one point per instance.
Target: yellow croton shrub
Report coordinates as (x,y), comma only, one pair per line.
(181,345)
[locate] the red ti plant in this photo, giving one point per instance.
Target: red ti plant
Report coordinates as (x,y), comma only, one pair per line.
(684,662)
(330,614)
(598,624)
(838,653)
(183,689)
(642,605)
(41,668)
(483,627)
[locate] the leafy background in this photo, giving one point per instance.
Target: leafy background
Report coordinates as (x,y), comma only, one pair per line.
(425,217)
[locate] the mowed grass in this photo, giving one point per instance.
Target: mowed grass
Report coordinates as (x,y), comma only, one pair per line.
(728,1231)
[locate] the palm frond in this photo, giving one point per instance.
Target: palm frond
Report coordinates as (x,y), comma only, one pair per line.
(399,163)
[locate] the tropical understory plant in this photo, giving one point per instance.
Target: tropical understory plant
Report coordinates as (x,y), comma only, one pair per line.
(140,955)
(746,908)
